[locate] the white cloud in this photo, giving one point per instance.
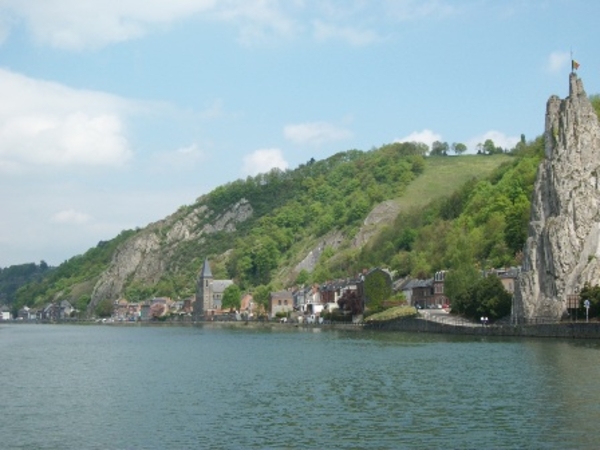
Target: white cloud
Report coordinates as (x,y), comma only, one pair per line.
(257,20)
(74,24)
(214,111)
(558,61)
(263,160)
(500,140)
(48,124)
(71,216)
(353,36)
(84,24)
(405,10)
(425,136)
(184,158)
(315,133)
(77,24)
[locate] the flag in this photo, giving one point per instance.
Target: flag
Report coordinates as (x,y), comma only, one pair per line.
(574,65)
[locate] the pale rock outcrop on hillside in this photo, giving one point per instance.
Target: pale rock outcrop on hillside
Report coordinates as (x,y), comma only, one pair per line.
(144,256)
(384,212)
(333,240)
(562,251)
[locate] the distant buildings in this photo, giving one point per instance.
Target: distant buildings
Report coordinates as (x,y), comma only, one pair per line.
(431,292)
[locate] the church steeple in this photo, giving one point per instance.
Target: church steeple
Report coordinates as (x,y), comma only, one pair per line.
(203,291)
(206,273)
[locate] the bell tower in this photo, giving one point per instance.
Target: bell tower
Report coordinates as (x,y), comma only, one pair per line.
(203,291)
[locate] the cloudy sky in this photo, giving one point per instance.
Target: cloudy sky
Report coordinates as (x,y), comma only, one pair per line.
(115,113)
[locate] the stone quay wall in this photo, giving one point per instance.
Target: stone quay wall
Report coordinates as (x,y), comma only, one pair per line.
(571,330)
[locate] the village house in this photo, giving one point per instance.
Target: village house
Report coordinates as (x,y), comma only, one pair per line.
(65,310)
(26,313)
(5,313)
(422,293)
(439,298)
(247,305)
(431,292)
(281,302)
(508,277)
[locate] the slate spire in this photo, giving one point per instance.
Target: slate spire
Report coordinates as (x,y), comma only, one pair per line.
(206,273)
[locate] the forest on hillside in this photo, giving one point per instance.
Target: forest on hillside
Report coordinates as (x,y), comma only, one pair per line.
(484,222)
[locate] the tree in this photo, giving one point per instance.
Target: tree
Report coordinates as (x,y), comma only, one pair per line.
(459,148)
(457,285)
(489,148)
(104,308)
(350,301)
(591,293)
(303,277)
(495,301)
(261,295)
(232,297)
(378,288)
(474,296)
(517,220)
(439,148)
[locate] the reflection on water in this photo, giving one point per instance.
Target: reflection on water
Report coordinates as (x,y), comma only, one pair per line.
(169,387)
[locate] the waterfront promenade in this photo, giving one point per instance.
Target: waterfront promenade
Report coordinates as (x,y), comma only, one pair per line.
(442,322)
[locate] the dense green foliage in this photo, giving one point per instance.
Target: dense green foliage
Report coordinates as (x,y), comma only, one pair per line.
(61,281)
(392,314)
(13,277)
(592,294)
(232,297)
(483,222)
(104,308)
(336,193)
(378,288)
(484,296)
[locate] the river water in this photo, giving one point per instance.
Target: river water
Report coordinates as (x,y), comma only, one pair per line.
(144,387)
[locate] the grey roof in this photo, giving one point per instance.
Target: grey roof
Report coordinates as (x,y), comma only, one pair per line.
(281,294)
(219,286)
(206,273)
(414,283)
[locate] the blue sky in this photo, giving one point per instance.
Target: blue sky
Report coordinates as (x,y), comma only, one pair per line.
(115,113)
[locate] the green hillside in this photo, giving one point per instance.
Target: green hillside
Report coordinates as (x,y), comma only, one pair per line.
(480,223)
(444,175)
(295,210)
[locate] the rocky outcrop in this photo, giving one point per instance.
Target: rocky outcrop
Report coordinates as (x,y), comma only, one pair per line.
(562,251)
(384,213)
(333,240)
(145,255)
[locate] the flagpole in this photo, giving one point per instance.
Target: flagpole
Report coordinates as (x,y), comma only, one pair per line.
(572,65)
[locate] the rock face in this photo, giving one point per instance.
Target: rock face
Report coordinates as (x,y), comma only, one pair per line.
(562,252)
(384,212)
(144,257)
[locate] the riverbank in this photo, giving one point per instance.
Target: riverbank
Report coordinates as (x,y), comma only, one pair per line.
(573,330)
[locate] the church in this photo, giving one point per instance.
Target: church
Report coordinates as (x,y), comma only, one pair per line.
(209,292)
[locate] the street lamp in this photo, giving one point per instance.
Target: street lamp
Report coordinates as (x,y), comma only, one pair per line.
(586,304)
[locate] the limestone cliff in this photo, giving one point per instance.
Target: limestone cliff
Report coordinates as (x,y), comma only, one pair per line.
(145,256)
(562,251)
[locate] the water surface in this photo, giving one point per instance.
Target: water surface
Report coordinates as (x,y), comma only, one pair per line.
(143,387)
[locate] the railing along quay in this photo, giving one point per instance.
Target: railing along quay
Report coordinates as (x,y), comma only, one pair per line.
(533,327)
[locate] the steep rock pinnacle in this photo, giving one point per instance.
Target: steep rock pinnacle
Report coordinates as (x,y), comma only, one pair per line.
(562,251)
